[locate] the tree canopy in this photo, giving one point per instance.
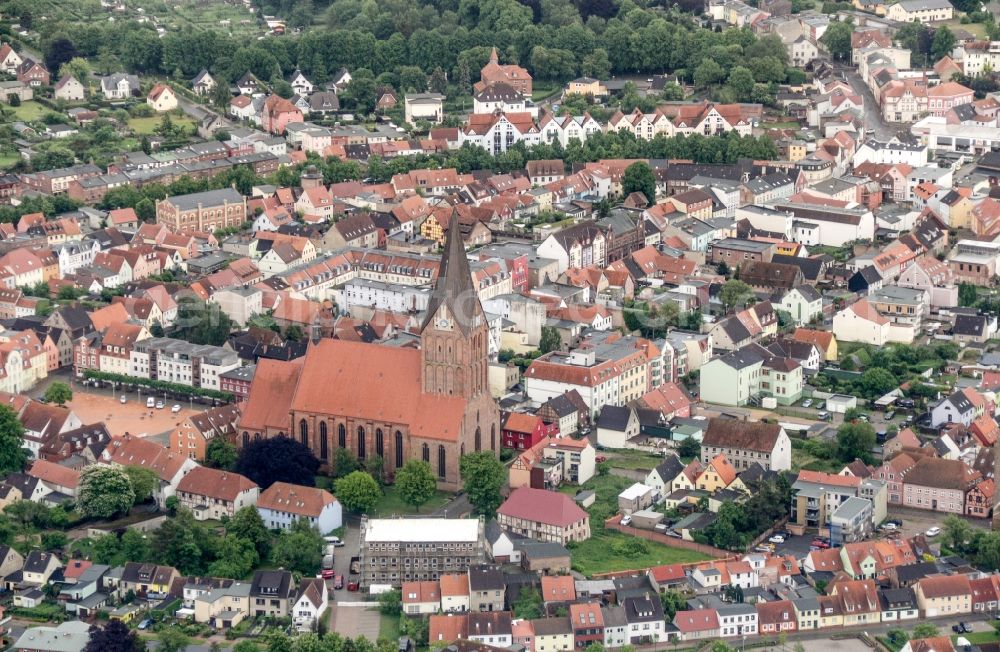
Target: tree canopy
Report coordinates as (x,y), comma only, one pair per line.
(58,393)
(279,459)
(358,492)
(639,177)
(104,491)
(415,482)
(482,478)
(13,454)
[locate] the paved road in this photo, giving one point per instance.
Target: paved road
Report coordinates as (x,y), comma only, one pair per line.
(873,117)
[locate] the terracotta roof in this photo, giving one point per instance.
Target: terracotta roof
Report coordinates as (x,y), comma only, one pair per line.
(819,477)
(454,584)
(132,451)
(558,588)
(943,586)
(215,483)
(295,499)
(389,388)
(521,422)
(270,396)
(55,474)
(414,592)
(542,506)
(822,339)
(723,468)
(448,627)
(696,620)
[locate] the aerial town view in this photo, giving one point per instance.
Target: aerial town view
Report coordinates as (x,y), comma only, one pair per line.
(499,325)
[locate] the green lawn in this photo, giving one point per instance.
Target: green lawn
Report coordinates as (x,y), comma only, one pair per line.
(598,554)
(803,460)
(388,628)
(149,125)
(392,503)
(790,124)
(29,110)
(7,160)
(543,91)
(632,459)
(978,638)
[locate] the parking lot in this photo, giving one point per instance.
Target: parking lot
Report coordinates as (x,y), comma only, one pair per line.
(916,521)
(93,405)
(798,547)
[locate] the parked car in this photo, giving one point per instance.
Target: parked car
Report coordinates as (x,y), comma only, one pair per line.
(146,624)
(933,531)
(123,400)
(823,416)
(889,416)
(807,403)
(160,405)
(890,527)
(820,543)
(601,458)
(176,408)
(820,405)
(776,538)
(353,585)
(338,582)
(626,520)
(966,627)
(150,402)
(328,573)
(334,540)
(958,629)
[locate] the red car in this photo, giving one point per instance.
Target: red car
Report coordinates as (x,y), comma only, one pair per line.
(353,586)
(338,582)
(328,573)
(600,458)
(820,543)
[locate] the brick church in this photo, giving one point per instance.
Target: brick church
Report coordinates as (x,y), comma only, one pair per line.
(398,403)
(494,72)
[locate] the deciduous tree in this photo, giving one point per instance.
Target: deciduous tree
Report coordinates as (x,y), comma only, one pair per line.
(415,482)
(104,491)
(279,459)
(358,492)
(639,177)
(482,478)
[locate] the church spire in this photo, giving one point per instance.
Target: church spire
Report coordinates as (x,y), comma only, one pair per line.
(494,57)
(454,291)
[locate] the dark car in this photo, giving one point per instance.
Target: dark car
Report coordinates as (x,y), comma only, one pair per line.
(958,629)
(966,628)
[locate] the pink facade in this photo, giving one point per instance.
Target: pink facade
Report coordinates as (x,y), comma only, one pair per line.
(932,498)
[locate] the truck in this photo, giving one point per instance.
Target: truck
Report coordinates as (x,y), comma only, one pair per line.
(327,561)
(355,565)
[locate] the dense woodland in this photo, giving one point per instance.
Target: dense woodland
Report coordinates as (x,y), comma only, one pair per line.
(554,39)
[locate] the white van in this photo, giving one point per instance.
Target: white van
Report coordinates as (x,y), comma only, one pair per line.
(150,402)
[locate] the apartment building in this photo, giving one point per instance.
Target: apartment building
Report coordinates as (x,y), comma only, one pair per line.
(400,550)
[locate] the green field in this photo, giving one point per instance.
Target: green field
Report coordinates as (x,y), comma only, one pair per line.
(634,460)
(28,111)
(598,555)
(392,503)
(388,627)
(979,638)
(149,125)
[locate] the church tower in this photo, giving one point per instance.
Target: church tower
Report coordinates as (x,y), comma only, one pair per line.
(454,339)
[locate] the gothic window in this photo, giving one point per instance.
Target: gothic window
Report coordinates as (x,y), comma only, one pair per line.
(379,443)
(246,438)
(493,437)
(324,444)
(361,443)
(304,432)
(399,449)
(426,453)
(342,436)
(441,461)
(479,439)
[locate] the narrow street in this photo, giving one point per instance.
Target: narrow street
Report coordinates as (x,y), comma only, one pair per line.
(873,116)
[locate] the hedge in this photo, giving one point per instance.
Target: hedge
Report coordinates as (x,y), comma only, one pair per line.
(159,385)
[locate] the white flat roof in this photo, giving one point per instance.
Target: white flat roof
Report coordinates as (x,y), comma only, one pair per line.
(417,530)
(635,491)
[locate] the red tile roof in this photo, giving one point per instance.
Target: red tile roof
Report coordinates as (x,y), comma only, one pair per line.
(542,506)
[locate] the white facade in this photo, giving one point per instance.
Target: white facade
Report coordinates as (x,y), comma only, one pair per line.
(329,519)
